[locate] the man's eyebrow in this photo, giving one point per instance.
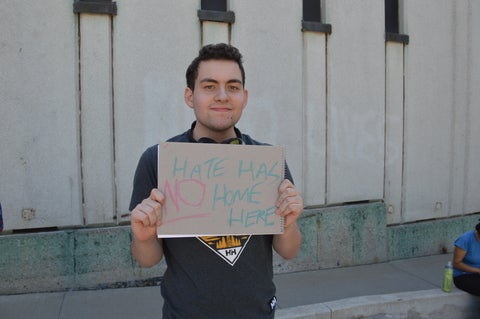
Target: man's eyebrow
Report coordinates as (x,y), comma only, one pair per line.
(215,81)
(234,81)
(208,80)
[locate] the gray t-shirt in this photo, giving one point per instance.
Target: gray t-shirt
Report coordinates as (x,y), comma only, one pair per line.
(214,276)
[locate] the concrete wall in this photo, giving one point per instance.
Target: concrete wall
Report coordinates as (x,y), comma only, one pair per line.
(332,237)
(439,177)
(39,127)
(100,257)
(362,119)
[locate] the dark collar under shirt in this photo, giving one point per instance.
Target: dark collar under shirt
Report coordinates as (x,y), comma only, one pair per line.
(233,140)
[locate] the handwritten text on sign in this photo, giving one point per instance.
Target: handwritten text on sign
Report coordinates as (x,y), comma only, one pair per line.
(214,189)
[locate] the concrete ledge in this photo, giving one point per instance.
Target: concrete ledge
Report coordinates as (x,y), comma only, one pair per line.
(333,237)
(340,236)
(71,259)
(93,258)
(427,237)
(423,304)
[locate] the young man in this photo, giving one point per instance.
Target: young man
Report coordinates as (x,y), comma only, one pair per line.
(199,281)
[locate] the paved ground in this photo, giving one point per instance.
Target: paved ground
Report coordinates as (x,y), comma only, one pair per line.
(293,291)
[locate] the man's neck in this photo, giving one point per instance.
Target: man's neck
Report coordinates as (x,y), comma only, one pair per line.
(216,136)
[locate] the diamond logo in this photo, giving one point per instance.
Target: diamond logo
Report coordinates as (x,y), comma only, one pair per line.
(229,248)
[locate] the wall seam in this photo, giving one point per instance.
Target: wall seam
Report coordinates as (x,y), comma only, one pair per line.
(80,119)
(114,158)
(326,124)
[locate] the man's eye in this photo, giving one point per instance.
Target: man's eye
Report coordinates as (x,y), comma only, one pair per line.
(234,88)
(209,87)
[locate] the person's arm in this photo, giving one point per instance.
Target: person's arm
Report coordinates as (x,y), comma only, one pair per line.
(458,255)
(290,206)
(145,218)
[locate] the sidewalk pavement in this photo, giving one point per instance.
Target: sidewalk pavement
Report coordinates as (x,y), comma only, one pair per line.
(300,295)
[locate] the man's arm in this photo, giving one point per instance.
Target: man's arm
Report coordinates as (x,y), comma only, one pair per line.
(290,206)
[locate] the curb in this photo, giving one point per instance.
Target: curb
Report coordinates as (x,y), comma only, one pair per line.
(433,303)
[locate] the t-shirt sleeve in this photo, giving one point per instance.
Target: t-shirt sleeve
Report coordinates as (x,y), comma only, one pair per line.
(288,175)
(462,242)
(145,178)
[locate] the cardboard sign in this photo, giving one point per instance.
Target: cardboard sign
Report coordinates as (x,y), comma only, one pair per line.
(219,189)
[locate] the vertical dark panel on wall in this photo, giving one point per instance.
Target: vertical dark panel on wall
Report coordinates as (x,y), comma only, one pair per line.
(95,6)
(215,10)
(312,17)
(391,16)
(311,10)
(214,5)
(392,23)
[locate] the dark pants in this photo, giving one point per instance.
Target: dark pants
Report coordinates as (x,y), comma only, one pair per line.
(469,283)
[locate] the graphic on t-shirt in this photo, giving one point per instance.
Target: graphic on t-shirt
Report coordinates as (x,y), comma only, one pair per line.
(227,247)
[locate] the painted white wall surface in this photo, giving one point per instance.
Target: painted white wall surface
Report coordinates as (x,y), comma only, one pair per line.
(83,95)
(268,35)
(39,127)
(153,44)
(429,110)
(460,44)
(355,100)
(472,132)
(394,108)
(96,119)
(215,32)
(314,118)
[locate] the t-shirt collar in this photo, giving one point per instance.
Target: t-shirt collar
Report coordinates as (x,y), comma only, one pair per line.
(192,140)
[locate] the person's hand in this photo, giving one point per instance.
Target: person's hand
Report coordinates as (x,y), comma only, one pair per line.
(289,203)
(147,216)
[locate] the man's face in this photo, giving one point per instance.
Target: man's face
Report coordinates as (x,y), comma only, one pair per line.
(218,99)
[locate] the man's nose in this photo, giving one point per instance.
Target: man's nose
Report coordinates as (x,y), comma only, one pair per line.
(221,94)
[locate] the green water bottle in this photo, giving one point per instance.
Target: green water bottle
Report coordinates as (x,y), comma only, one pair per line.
(447,277)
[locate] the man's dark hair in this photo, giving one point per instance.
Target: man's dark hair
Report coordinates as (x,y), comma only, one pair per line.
(220,51)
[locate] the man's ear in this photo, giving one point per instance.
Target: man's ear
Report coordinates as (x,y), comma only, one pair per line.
(188,96)
(245,99)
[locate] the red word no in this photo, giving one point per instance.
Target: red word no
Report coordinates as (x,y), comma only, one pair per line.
(189,192)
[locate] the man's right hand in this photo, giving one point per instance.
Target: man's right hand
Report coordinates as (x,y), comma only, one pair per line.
(147,216)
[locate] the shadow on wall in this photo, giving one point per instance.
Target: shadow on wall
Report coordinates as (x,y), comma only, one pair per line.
(1,218)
